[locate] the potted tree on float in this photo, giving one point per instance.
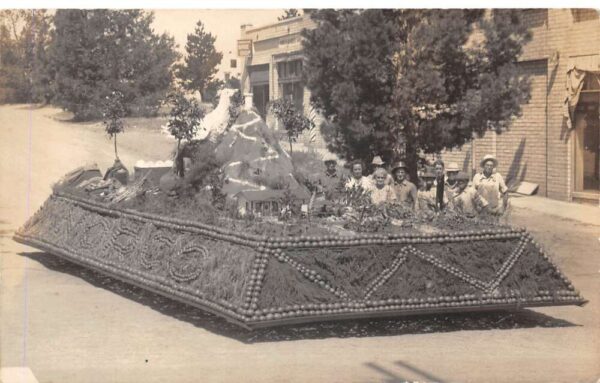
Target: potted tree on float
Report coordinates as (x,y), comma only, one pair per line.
(184,119)
(113,113)
(294,121)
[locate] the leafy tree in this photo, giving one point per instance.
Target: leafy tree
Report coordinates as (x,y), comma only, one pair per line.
(402,83)
(288,14)
(97,51)
(113,114)
(24,38)
(201,60)
(294,121)
(184,119)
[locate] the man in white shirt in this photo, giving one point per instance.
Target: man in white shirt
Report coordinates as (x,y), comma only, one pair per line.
(490,185)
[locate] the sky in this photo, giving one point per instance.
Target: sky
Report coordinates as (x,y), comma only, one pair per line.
(224,24)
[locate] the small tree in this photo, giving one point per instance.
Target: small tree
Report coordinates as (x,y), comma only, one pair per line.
(183,123)
(293,120)
(113,113)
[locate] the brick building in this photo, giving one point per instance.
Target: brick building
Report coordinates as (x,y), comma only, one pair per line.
(540,147)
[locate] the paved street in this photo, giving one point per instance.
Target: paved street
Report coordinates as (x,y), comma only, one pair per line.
(68,324)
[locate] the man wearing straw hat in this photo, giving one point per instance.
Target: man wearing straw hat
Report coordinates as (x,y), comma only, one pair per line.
(451,172)
(490,185)
(406,191)
(378,164)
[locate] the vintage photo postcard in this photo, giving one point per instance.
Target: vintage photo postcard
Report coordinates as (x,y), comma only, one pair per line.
(299,195)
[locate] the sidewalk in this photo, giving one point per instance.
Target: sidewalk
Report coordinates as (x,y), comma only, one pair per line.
(589,214)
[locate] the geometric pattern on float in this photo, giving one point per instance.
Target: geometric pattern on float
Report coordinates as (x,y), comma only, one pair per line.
(96,235)
(94,229)
(487,287)
(397,260)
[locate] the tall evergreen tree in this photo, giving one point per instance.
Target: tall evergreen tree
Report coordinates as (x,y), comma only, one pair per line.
(96,52)
(201,60)
(403,83)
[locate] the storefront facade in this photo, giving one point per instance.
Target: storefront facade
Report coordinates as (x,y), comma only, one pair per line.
(272,62)
(543,146)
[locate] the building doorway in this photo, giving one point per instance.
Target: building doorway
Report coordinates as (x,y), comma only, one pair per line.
(260,99)
(259,85)
(587,140)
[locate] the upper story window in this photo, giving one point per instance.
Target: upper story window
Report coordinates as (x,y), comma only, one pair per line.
(582,14)
(289,70)
(233,63)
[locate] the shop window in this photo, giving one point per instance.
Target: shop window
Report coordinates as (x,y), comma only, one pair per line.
(289,70)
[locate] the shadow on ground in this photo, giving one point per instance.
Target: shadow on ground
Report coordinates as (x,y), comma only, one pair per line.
(391,376)
(424,324)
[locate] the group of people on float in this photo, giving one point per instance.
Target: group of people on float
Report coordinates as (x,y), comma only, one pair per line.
(438,190)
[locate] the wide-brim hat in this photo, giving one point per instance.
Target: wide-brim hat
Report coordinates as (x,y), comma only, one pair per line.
(377,161)
(452,167)
(399,165)
(489,157)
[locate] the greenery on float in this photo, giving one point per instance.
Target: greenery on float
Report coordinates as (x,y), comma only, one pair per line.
(183,123)
(113,112)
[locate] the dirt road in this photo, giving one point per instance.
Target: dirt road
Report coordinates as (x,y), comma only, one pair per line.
(68,324)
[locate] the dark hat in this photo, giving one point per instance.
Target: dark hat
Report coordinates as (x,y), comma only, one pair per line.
(330,162)
(399,165)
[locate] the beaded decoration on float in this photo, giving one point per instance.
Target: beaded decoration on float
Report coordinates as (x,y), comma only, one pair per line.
(258,281)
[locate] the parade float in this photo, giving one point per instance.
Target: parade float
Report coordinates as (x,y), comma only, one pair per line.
(265,271)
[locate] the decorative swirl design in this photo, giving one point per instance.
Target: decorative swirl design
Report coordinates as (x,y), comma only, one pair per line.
(155,248)
(185,265)
(124,238)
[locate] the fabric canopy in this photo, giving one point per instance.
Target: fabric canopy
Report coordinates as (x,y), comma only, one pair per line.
(577,71)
